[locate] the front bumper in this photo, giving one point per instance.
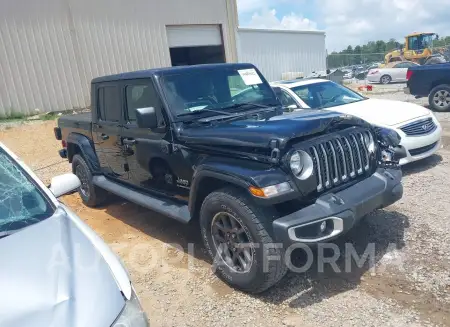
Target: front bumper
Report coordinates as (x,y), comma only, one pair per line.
(340,210)
(421,146)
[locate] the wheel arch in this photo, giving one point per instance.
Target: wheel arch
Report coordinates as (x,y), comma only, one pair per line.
(81,144)
(208,181)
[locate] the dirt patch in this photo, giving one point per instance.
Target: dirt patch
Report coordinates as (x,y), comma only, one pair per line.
(395,287)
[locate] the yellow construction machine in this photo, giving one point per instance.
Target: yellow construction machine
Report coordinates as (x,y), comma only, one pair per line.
(419,49)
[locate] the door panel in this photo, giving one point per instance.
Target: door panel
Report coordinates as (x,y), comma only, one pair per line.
(109,148)
(107,128)
(153,164)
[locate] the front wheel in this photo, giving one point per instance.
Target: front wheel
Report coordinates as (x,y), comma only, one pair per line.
(238,237)
(385,79)
(439,98)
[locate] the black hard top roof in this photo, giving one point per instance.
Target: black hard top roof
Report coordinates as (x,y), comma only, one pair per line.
(165,71)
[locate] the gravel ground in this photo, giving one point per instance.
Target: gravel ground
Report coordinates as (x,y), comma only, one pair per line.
(409,285)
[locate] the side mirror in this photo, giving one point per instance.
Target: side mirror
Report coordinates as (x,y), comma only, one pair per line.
(146,118)
(64,184)
(290,108)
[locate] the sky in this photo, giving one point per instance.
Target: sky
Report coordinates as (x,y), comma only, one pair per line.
(349,22)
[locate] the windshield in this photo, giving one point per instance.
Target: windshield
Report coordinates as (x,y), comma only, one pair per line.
(21,203)
(326,95)
(426,41)
(219,89)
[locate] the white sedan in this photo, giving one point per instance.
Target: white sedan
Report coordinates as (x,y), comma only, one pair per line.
(392,72)
(419,129)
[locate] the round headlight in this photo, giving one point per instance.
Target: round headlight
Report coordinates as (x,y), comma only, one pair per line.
(301,164)
(295,163)
(370,143)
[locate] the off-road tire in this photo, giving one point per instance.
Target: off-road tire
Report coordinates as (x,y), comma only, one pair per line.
(257,224)
(94,196)
(434,92)
(385,79)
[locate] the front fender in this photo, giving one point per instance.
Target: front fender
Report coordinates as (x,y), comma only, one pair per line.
(230,171)
(79,142)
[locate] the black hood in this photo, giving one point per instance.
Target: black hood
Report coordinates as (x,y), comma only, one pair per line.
(257,133)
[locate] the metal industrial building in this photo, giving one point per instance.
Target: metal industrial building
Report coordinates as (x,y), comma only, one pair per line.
(51,49)
(276,52)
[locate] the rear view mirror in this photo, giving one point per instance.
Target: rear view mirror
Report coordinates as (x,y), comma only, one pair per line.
(146,118)
(64,184)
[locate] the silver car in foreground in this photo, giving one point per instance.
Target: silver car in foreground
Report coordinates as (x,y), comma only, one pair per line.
(55,271)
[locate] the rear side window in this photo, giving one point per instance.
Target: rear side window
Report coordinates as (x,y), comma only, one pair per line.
(109,103)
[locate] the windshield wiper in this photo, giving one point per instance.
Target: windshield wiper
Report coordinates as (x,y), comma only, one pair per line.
(197,112)
(243,104)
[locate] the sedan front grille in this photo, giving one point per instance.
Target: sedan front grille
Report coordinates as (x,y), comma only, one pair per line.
(340,159)
(419,127)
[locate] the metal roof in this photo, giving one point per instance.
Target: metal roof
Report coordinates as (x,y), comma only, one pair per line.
(148,73)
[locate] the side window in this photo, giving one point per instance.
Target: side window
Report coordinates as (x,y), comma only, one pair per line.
(143,96)
(413,43)
(109,103)
(402,65)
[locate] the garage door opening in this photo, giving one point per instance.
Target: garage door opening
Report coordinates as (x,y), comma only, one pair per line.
(195,44)
(197,55)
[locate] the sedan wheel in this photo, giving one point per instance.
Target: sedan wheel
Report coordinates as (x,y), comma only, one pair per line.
(385,79)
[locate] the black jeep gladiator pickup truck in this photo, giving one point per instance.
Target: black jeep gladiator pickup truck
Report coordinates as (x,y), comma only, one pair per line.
(432,81)
(212,143)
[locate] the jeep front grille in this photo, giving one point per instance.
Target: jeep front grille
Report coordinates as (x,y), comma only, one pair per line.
(340,159)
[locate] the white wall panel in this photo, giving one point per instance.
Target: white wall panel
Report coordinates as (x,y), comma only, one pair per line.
(51,49)
(276,52)
(194,35)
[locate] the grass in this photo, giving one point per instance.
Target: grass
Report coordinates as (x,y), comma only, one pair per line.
(15,117)
(12,117)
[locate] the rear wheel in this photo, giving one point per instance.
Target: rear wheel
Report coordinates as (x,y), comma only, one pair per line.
(385,79)
(91,194)
(238,237)
(439,98)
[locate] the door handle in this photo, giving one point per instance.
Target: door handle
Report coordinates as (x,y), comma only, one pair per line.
(128,141)
(104,136)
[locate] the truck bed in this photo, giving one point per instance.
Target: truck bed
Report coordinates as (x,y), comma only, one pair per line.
(80,123)
(424,78)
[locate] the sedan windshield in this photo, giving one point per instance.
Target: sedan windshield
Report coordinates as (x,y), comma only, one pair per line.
(326,95)
(212,91)
(21,202)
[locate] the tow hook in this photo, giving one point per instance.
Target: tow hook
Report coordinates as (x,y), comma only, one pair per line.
(275,154)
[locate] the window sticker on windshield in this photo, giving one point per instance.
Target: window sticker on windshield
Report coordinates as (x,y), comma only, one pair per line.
(250,76)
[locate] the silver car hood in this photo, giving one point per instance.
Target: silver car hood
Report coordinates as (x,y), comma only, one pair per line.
(52,276)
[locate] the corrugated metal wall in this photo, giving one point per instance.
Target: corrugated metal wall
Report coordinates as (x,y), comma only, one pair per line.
(275,52)
(51,49)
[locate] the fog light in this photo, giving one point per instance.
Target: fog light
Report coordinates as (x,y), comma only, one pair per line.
(323,226)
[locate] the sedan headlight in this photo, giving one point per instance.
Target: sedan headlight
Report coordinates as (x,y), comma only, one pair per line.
(132,314)
(301,164)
